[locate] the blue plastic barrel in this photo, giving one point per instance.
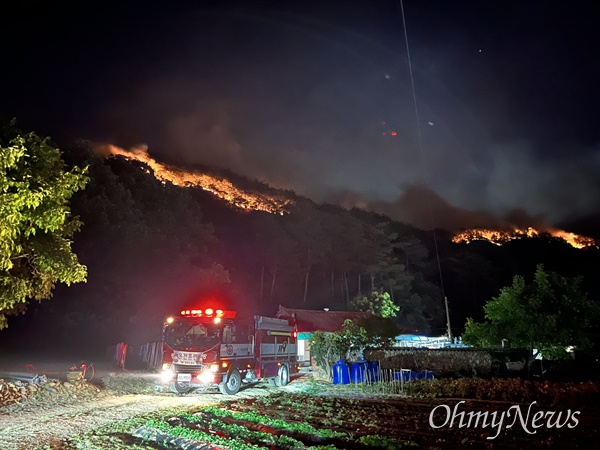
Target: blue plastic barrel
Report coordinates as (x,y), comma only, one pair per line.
(423,375)
(341,372)
(408,375)
(359,372)
(404,375)
(373,371)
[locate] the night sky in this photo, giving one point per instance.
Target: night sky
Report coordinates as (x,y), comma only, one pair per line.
(307,96)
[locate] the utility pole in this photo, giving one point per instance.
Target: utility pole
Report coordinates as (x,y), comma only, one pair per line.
(448,318)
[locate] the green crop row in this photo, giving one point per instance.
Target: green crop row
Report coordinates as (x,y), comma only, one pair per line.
(511,389)
(252,417)
(198,435)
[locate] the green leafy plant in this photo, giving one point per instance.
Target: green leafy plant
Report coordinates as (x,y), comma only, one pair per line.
(384,442)
(547,315)
(252,417)
(36,227)
(202,436)
(327,348)
(378,302)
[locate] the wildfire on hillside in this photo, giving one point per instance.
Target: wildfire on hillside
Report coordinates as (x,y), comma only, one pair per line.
(500,237)
(220,187)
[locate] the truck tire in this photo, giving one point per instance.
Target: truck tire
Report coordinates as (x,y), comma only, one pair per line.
(232,384)
(283,377)
(179,388)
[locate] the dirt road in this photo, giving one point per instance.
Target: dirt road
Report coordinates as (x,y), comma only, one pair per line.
(33,428)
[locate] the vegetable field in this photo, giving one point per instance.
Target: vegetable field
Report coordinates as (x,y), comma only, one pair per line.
(334,418)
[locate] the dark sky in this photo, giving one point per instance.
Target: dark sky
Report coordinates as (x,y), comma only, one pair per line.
(296,93)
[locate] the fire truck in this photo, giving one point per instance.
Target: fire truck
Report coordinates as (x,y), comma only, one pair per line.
(212,347)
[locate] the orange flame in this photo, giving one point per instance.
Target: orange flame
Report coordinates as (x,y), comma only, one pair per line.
(500,237)
(220,187)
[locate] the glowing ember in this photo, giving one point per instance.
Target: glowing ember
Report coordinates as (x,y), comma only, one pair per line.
(221,188)
(499,237)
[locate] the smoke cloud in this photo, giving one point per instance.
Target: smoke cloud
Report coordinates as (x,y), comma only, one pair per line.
(318,101)
(502,185)
(328,136)
(425,209)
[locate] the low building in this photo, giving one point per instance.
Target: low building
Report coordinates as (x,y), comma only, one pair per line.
(417,341)
(310,320)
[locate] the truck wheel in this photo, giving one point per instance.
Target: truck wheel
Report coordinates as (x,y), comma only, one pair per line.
(232,385)
(179,388)
(282,377)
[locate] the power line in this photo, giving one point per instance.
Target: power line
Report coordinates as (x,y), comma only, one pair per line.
(420,139)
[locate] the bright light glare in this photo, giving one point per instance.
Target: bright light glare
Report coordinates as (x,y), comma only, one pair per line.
(217,319)
(206,377)
(169,320)
(214,368)
(167,375)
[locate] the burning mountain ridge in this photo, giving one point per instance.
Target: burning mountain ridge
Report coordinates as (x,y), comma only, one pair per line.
(218,186)
(279,203)
(500,237)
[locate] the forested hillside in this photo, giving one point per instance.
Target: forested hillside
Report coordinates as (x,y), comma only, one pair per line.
(152,247)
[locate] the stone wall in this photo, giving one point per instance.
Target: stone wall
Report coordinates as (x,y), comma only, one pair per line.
(452,362)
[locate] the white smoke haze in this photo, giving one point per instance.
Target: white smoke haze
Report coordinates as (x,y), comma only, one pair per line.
(331,157)
(425,209)
(204,136)
(555,188)
(140,151)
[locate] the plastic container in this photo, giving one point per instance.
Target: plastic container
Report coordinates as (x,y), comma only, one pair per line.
(373,371)
(341,372)
(428,375)
(358,373)
(408,375)
(404,375)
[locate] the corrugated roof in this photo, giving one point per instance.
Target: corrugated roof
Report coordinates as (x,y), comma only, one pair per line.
(310,320)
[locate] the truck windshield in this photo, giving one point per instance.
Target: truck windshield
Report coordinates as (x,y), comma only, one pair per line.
(192,334)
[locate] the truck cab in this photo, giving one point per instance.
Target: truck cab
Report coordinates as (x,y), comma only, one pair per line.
(212,347)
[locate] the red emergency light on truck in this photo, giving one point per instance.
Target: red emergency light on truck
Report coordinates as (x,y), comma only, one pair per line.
(212,347)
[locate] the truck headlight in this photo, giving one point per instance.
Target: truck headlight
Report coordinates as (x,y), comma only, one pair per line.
(166,366)
(167,375)
(206,377)
(214,368)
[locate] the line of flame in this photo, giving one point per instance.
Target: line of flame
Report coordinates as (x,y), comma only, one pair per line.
(225,190)
(221,188)
(500,237)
